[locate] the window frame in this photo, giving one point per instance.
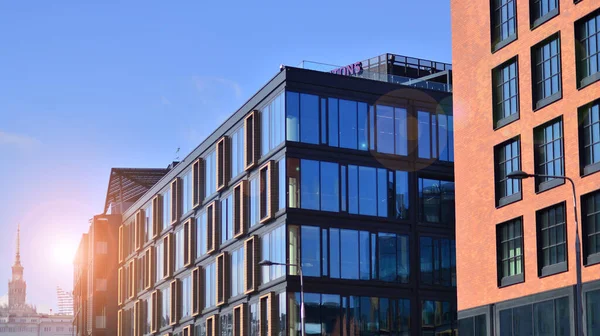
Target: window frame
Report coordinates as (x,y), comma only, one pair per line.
(505,281)
(496,74)
(496,43)
(515,197)
(536,22)
(593,258)
(585,111)
(537,102)
(559,267)
(551,183)
(583,82)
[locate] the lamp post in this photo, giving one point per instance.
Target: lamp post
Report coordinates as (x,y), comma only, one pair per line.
(272,263)
(521,175)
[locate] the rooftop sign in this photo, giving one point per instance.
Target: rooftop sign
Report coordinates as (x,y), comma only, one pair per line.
(349,70)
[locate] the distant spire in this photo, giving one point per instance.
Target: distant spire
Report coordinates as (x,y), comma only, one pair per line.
(18,254)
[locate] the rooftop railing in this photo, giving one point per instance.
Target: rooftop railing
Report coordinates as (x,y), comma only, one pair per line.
(382,77)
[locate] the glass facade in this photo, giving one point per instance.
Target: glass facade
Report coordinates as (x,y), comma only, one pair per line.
(179,248)
(187,198)
(550,317)
(437,318)
(436,136)
(185,297)
(210,286)
(166,210)
(237,152)
(237,272)
(438,261)
(273,124)
(436,201)
(201,234)
(273,249)
(210,173)
(165,307)
(226,218)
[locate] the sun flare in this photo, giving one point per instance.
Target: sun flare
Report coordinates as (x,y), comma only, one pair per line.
(62,252)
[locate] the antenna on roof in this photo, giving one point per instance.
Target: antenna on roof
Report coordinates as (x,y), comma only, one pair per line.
(177,152)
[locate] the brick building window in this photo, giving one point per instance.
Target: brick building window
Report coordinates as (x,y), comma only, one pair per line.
(589,137)
(507,159)
(546,72)
(587,40)
(504,23)
(552,240)
(549,153)
(506,92)
(509,242)
(542,11)
(591,230)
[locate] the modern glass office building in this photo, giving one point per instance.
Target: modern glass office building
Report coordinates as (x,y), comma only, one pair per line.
(349,178)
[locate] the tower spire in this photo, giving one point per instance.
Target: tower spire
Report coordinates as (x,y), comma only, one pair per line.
(18,254)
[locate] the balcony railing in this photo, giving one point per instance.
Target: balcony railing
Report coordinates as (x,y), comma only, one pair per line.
(417,83)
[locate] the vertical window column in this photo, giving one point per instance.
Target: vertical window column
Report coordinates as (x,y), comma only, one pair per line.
(509,237)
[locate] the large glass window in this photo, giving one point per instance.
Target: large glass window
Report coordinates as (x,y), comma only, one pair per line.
(549,158)
(210,175)
(506,93)
(187,198)
(438,318)
(254,320)
(436,136)
(473,326)
(319,184)
(507,159)
(311,250)
(546,72)
(210,290)
(393,258)
(589,134)
(237,272)
(226,327)
(302,117)
(179,248)
(550,317)
(587,36)
(591,227)
(391,130)
(254,201)
(237,152)
(273,249)
(509,237)
(402,197)
(201,234)
(438,261)
(148,224)
(281,171)
(226,218)
(149,315)
(186,296)
(160,256)
(592,299)
(436,198)
(272,124)
(504,23)
(165,311)
(542,10)
(166,209)
(552,240)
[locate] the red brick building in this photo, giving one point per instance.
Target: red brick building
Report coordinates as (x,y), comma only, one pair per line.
(526,97)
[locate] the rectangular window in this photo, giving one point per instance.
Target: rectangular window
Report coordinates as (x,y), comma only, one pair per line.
(302,117)
(587,35)
(550,317)
(267,197)
(391,130)
(546,77)
(210,289)
(201,234)
(509,236)
(195,294)
(226,324)
(237,152)
(252,138)
(226,218)
(240,206)
(160,260)
(176,206)
(473,326)
(272,124)
(344,123)
(197,183)
(436,136)
(265,315)
(438,261)
(319,185)
(165,310)
(223,159)
(506,92)
(549,158)
(504,23)
(157,215)
(273,249)
(589,137)
(552,240)
(211,227)
(240,318)
(210,174)
(437,317)
(542,11)
(148,224)
(393,258)
(311,250)
(186,192)
(591,227)
(237,272)
(222,280)
(592,307)
(179,248)
(186,297)
(507,159)
(281,170)
(254,201)
(166,209)
(251,268)
(436,201)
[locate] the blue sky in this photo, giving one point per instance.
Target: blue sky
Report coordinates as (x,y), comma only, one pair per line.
(90,85)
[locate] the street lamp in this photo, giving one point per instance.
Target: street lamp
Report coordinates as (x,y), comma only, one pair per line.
(521,175)
(272,263)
